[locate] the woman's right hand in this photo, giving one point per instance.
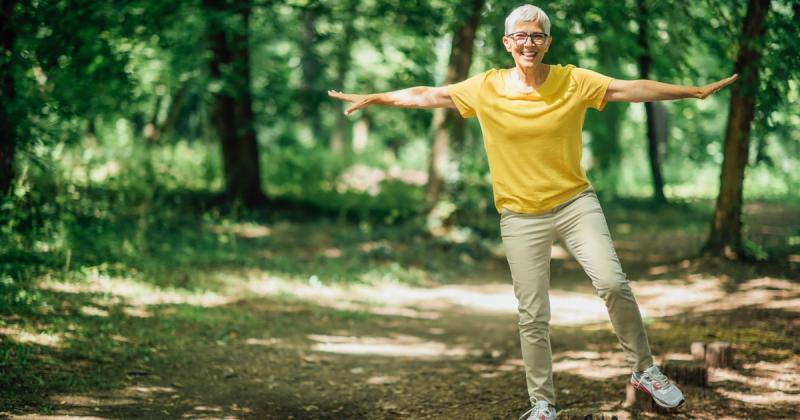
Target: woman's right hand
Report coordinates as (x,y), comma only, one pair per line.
(359,101)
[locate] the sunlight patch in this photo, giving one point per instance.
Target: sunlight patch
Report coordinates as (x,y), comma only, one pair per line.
(557,252)
(268,342)
(591,364)
(150,389)
(244,230)
(570,308)
(768,398)
(780,376)
(213,409)
(398,346)
(665,298)
(396,299)
(382,380)
(94,311)
(86,401)
(404,312)
(137,312)
(332,253)
(135,292)
(27,337)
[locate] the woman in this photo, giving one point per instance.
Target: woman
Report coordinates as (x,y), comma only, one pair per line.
(531,117)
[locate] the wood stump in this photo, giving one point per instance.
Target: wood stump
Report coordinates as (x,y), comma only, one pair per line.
(719,354)
(699,351)
(686,372)
(636,400)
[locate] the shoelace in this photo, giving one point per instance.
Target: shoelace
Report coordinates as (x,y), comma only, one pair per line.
(536,407)
(659,377)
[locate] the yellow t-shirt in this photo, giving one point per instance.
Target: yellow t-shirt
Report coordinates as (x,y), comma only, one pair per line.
(532,140)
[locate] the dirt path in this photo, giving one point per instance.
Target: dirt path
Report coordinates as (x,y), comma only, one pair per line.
(451,351)
(272,349)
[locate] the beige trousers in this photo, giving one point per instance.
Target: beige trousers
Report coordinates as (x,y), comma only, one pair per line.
(581,226)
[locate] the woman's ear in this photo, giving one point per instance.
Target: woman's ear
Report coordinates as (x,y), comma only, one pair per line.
(506,43)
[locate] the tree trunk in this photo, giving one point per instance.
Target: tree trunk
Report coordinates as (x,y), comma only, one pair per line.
(175,105)
(652,140)
(310,65)
(8,122)
(725,238)
(231,108)
(448,125)
(338,143)
(605,127)
(155,128)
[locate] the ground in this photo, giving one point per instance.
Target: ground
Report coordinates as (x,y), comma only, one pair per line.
(431,334)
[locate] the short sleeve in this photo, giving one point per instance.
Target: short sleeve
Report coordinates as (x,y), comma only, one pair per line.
(465,94)
(592,87)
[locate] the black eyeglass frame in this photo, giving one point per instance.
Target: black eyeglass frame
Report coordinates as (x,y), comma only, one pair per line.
(528,35)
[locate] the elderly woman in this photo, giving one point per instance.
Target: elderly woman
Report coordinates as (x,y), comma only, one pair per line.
(531,116)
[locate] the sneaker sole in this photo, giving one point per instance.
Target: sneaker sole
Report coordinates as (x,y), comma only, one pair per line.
(639,386)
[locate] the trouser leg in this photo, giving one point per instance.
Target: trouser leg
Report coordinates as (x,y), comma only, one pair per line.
(582,228)
(527,241)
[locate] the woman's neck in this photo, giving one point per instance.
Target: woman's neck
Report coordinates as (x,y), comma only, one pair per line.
(531,77)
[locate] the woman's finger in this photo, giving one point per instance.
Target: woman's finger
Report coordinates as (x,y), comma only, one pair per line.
(725,82)
(716,86)
(355,107)
(341,96)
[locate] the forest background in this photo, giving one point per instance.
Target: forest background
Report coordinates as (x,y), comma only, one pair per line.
(184,145)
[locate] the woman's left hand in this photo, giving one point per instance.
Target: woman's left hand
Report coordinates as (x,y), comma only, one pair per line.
(712,88)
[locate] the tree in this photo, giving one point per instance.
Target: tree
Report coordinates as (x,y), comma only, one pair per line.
(51,54)
(342,63)
(227,33)
(447,124)
(645,58)
(725,238)
(8,126)
(311,93)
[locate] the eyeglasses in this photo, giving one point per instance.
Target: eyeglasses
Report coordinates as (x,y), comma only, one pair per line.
(538,38)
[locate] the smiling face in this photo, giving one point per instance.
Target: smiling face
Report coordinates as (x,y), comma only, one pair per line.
(527,55)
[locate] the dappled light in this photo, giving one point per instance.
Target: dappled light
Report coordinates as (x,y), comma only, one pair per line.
(765,398)
(397,346)
(94,311)
(19,335)
(350,209)
(244,230)
(591,364)
(137,293)
(774,376)
(699,294)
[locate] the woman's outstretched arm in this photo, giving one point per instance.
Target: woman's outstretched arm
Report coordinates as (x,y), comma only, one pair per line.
(651,91)
(415,97)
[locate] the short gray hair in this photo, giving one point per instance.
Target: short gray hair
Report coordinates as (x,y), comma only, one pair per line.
(527,13)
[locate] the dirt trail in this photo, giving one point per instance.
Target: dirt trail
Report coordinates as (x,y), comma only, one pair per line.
(451,349)
(444,352)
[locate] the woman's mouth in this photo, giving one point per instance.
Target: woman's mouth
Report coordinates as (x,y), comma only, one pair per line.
(530,55)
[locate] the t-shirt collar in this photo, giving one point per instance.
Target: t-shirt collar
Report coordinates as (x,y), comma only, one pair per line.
(544,90)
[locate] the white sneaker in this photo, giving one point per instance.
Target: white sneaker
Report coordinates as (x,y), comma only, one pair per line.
(542,410)
(653,382)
